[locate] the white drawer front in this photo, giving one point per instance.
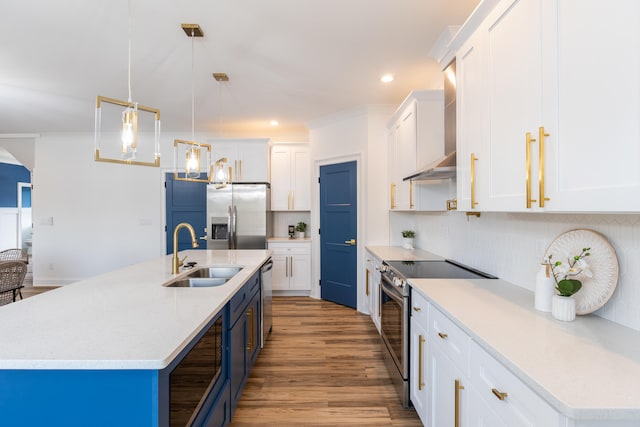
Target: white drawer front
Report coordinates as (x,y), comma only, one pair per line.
(453,341)
(515,403)
(419,308)
(290,248)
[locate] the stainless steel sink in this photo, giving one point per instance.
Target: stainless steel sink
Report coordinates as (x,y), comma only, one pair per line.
(198,282)
(206,277)
(225,272)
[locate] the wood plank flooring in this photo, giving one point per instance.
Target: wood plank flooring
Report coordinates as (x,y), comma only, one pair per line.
(322,366)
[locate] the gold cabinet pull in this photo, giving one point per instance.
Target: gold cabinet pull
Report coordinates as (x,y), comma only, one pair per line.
(393,196)
(541,136)
(458,387)
(410,194)
(289,200)
(251,343)
(286,267)
(500,395)
(230,171)
(528,141)
(443,335)
(293,200)
(420,357)
(473,181)
(366,282)
(416,309)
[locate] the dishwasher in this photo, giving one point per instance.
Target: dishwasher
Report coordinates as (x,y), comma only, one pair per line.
(266,285)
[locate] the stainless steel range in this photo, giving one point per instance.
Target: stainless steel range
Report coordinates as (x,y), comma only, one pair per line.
(394,309)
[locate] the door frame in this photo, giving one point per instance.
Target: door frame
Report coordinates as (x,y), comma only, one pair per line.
(22,185)
(315,221)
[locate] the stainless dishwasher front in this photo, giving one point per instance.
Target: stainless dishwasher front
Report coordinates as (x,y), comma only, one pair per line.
(266,292)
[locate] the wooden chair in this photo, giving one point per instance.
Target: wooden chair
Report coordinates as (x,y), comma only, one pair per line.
(15,254)
(11,277)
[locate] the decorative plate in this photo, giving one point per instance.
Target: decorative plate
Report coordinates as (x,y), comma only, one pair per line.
(603,263)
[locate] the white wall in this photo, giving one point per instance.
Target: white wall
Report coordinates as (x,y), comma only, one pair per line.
(511,246)
(359,135)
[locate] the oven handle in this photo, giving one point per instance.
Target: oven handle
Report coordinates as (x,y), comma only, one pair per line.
(390,290)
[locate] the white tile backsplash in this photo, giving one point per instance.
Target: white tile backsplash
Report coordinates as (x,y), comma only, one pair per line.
(282,220)
(511,246)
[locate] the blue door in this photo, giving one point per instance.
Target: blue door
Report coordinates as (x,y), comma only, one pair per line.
(338,233)
(185,202)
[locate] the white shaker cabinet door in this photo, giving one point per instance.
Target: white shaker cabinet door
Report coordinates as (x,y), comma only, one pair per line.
(448,398)
(594,153)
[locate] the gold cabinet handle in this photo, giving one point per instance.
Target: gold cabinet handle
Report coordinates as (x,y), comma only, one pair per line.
(230,171)
(366,282)
(417,309)
(240,161)
(500,395)
(458,387)
(286,267)
(379,301)
(528,141)
(443,335)
(393,196)
(410,194)
(291,265)
(251,343)
(293,200)
(473,181)
(420,357)
(289,200)
(541,136)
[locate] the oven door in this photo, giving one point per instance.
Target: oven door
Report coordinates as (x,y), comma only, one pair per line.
(394,316)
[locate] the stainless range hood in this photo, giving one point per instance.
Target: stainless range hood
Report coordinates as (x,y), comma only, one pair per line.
(445,167)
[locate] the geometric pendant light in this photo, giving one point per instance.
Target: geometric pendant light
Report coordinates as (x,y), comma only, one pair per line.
(125,130)
(192,150)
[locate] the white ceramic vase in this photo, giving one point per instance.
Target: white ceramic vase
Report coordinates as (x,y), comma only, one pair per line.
(300,234)
(545,289)
(563,308)
(407,242)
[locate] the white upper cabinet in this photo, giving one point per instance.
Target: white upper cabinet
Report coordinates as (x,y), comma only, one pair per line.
(290,177)
(561,130)
(247,158)
(415,139)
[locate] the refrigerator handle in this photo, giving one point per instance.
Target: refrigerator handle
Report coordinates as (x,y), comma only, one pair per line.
(229,227)
(235,227)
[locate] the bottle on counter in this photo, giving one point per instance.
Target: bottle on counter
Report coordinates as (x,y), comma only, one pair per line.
(545,288)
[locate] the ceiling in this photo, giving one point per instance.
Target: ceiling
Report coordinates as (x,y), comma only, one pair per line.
(294,61)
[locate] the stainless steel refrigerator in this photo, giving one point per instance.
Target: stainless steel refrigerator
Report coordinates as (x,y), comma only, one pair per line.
(239,216)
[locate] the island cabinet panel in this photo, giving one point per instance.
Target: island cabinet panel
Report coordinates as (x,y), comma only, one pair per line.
(79,398)
(244,336)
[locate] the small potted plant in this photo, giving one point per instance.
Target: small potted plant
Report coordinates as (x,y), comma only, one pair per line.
(408,237)
(563,304)
(301,227)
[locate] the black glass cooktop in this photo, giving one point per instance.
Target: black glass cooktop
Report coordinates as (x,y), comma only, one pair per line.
(445,269)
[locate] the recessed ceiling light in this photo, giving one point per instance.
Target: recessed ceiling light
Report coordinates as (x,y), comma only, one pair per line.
(274,122)
(387,78)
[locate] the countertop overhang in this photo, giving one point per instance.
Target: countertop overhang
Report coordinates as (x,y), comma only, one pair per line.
(124,319)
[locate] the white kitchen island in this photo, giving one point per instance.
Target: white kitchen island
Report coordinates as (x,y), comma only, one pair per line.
(95,352)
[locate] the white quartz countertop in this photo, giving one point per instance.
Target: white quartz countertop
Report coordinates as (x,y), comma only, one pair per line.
(124,319)
(586,369)
(397,253)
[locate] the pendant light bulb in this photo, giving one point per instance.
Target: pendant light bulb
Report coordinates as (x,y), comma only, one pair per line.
(129,133)
(193,163)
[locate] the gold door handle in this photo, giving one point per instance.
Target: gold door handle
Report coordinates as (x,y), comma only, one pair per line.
(528,141)
(473,181)
(500,395)
(410,194)
(459,387)
(541,136)
(351,242)
(443,335)
(420,356)
(393,196)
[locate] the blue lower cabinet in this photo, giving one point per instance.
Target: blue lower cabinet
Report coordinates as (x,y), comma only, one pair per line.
(244,337)
(220,413)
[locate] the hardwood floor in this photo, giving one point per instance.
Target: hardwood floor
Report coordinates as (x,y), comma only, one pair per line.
(322,366)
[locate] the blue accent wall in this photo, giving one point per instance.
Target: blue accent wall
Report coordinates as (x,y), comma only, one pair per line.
(10,176)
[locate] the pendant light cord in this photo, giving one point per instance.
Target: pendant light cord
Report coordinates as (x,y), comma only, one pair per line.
(193,127)
(129,58)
